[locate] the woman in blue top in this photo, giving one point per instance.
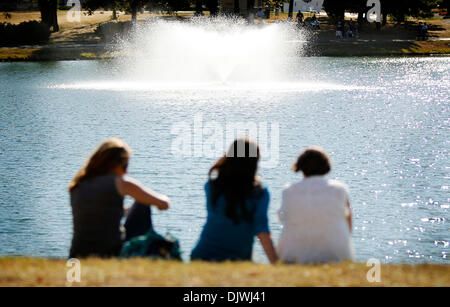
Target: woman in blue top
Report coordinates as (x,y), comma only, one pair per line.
(237,206)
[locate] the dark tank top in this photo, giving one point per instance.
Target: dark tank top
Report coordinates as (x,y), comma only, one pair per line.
(97,208)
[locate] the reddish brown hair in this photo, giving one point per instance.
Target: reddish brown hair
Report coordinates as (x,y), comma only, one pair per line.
(109,154)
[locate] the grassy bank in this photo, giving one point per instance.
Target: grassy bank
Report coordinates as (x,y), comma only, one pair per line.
(52,53)
(392,48)
(341,49)
(144,272)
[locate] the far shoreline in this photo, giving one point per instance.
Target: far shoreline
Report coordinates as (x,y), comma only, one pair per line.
(82,40)
(74,52)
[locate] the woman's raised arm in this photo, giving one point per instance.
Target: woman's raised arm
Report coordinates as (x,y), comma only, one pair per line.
(143,195)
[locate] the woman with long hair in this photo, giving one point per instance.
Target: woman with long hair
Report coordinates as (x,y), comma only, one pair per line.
(96,197)
(237,205)
(316,214)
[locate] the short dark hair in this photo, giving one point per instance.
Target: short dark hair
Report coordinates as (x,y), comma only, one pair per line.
(313,161)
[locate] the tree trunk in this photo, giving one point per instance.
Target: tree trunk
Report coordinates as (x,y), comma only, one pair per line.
(212,6)
(384,15)
(199,7)
(43,7)
(335,10)
(250,5)
(361,11)
(237,9)
(54,8)
(134,10)
(49,13)
(384,21)
(291,9)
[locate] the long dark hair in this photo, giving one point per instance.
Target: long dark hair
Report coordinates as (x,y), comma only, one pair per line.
(236,178)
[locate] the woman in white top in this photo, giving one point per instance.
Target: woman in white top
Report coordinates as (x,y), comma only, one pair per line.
(315,214)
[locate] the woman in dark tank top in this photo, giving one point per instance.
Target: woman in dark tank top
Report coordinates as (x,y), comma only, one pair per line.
(96,197)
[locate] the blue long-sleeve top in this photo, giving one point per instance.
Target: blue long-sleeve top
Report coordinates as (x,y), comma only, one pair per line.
(222,238)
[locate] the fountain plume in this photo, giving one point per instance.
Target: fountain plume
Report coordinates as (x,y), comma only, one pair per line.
(209,50)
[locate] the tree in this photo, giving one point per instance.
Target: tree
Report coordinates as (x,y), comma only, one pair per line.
(135,5)
(198,7)
(336,9)
(132,6)
(92,5)
(291,8)
(177,5)
(237,9)
(49,16)
(250,5)
(399,9)
(213,7)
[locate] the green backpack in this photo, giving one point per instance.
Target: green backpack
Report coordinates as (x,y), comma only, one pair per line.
(152,245)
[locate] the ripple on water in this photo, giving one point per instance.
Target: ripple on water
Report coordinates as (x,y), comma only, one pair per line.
(384,122)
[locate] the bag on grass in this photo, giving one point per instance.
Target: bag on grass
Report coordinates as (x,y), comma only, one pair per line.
(152,245)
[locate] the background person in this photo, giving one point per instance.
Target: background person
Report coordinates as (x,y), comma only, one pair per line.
(350,29)
(339,30)
(96,197)
(237,205)
(315,213)
(260,15)
(425,31)
(356,29)
(300,17)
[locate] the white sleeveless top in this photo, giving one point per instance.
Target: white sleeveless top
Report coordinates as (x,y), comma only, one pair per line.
(314,216)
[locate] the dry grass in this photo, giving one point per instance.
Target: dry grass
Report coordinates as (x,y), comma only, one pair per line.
(431,47)
(16,54)
(144,272)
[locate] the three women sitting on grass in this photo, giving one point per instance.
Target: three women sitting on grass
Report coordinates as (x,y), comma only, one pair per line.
(315,211)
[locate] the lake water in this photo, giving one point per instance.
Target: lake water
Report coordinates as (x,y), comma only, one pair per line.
(384,121)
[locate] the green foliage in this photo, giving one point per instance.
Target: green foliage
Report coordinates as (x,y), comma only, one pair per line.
(178,5)
(169,6)
(26,33)
(92,5)
(399,9)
